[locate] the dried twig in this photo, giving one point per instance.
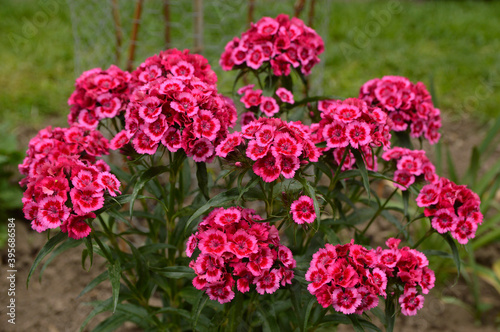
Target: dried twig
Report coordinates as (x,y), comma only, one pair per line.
(251,8)
(198,26)
(118,30)
(135,31)
(299,6)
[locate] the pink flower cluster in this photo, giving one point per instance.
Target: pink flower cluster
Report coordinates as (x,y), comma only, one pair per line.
(276,147)
(235,247)
(409,268)
(407,104)
(351,123)
(177,112)
(255,101)
(99,94)
(410,164)
(350,277)
(345,277)
(453,208)
(281,42)
(176,63)
(64,181)
(302,210)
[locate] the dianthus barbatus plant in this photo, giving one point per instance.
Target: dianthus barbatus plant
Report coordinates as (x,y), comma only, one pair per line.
(275,232)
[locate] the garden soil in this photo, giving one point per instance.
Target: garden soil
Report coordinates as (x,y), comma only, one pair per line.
(52,304)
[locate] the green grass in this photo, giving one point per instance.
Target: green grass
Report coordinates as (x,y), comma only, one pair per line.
(454,45)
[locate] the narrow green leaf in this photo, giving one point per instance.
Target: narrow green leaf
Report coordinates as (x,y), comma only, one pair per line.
(201,300)
(490,237)
(473,170)
(90,249)
(307,313)
(202,177)
(269,317)
(154,247)
(111,323)
(93,284)
(452,173)
(406,198)
(360,163)
(101,307)
(355,323)
(144,177)
(247,187)
(390,314)
(47,248)
(217,200)
(487,178)
(174,272)
(439,155)
(115,273)
(454,251)
(492,133)
(71,243)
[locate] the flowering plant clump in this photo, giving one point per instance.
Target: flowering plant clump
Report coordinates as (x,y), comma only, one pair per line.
(64,181)
(253,240)
(410,164)
(281,43)
(408,105)
(452,208)
(99,94)
(231,240)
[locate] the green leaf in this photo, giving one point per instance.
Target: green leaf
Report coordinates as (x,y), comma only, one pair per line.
(307,313)
(96,281)
(111,323)
(406,199)
(454,251)
(490,237)
(115,273)
(234,317)
(202,177)
(355,323)
(101,307)
(492,133)
(269,317)
(90,249)
(71,243)
(473,170)
(247,187)
(451,166)
(47,248)
(218,200)
(390,314)
(311,193)
(154,247)
(174,272)
(201,300)
(360,163)
(144,177)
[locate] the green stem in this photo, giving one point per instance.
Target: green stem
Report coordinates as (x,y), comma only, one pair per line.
(429,232)
(379,211)
(338,171)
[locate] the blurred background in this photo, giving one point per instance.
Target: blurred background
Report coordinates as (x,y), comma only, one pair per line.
(452,47)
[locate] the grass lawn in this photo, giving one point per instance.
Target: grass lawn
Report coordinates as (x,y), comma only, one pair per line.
(454,45)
